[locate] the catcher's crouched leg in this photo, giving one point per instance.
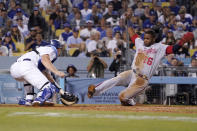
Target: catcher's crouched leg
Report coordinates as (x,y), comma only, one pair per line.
(68,99)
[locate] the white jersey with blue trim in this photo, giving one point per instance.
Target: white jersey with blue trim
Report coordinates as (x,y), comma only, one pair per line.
(36,58)
(147,59)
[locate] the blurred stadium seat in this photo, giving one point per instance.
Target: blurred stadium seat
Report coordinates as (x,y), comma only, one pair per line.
(149,4)
(191,51)
(164,4)
(58,32)
(20,48)
(46,18)
(72,50)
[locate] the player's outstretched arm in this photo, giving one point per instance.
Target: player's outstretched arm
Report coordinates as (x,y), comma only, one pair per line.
(48,76)
(186,38)
(132,34)
(47,63)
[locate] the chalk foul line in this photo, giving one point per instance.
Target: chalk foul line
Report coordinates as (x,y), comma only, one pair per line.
(108,116)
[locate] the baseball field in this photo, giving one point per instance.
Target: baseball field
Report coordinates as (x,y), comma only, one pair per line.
(98,118)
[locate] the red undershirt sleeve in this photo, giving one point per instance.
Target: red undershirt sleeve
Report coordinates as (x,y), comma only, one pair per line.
(169,49)
(134,37)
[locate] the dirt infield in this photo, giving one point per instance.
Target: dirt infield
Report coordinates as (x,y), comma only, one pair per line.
(137,108)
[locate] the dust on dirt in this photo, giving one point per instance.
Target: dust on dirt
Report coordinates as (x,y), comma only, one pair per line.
(137,108)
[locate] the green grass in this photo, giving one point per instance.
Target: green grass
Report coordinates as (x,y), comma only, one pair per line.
(83,120)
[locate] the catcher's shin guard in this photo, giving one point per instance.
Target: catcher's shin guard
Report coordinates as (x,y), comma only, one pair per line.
(44,95)
(68,99)
(91,91)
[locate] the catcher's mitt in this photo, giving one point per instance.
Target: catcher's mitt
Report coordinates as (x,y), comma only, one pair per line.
(68,99)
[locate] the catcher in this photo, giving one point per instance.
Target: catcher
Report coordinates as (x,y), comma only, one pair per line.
(33,69)
(149,53)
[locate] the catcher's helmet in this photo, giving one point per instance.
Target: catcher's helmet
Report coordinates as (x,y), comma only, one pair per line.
(55,43)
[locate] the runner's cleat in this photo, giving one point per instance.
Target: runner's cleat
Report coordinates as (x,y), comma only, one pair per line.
(91,91)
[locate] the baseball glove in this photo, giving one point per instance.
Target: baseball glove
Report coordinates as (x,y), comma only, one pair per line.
(68,99)
(158,31)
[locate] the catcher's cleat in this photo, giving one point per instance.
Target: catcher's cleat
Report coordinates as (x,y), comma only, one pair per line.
(48,102)
(25,102)
(36,102)
(91,90)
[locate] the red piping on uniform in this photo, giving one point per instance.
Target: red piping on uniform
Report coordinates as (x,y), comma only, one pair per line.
(99,84)
(134,37)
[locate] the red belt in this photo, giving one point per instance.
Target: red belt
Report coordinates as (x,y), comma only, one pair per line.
(140,75)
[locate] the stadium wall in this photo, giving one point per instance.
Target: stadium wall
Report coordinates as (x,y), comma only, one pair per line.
(61,63)
(11,91)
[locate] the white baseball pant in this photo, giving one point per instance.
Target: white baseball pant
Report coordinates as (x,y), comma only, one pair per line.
(27,71)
